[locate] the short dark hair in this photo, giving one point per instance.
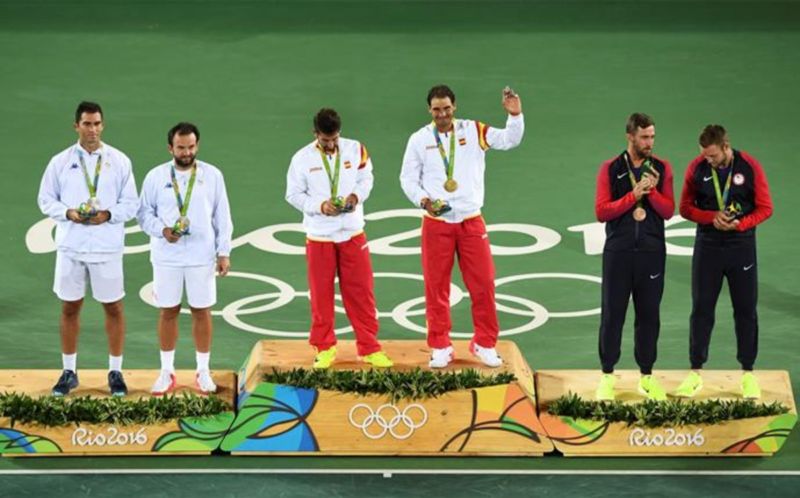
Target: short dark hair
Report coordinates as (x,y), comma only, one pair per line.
(88,107)
(638,120)
(182,128)
(440,92)
(713,134)
(327,121)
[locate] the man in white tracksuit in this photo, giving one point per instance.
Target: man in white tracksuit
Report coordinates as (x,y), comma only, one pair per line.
(184,209)
(89,191)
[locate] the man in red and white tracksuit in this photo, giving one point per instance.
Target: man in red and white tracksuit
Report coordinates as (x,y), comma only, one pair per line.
(329,180)
(443,173)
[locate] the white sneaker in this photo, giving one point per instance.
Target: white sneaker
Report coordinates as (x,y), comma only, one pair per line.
(164,383)
(440,358)
(204,383)
(488,356)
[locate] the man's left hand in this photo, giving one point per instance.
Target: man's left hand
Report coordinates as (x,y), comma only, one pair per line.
(223,265)
(512,104)
(99,218)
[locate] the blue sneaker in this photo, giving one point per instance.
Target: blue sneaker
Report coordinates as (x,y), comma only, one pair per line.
(116,384)
(67,382)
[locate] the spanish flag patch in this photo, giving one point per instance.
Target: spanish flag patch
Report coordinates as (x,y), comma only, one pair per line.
(462,141)
(348,165)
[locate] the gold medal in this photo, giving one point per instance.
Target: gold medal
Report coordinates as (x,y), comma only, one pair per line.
(451,185)
(639,214)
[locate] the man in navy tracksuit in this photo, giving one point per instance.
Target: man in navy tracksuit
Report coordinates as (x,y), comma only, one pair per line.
(634,197)
(726,193)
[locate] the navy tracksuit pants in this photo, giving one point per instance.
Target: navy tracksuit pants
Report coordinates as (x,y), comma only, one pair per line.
(735,260)
(626,273)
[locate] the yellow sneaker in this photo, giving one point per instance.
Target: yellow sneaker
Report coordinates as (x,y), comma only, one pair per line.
(324,359)
(605,390)
(650,387)
(378,359)
(690,386)
(750,389)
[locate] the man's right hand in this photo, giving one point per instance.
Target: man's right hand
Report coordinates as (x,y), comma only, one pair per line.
(328,209)
(171,236)
(74,216)
(427,205)
(725,222)
(642,188)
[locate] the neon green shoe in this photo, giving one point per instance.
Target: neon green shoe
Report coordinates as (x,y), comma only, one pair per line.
(605,390)
(690,386)
(378,359)
(650,387)
(324,359)
(750,389)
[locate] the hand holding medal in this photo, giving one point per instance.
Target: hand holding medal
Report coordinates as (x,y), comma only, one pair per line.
(342,205)
(436,208)
(89,208)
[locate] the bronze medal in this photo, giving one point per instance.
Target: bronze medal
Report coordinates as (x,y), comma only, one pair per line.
(639,214)
(451,185)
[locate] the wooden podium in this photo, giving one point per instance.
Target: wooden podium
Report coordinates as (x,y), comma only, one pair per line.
(182,436)
(758,436)
(280,419)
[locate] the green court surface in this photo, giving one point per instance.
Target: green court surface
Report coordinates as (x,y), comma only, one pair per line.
(251,74)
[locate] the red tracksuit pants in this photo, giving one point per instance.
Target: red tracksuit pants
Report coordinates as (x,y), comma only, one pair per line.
(441,241)
(350,260)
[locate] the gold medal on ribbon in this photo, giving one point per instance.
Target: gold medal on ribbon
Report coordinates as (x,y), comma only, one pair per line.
(639,214)
(451,185)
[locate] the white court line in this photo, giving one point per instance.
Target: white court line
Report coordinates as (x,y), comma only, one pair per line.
(389,473)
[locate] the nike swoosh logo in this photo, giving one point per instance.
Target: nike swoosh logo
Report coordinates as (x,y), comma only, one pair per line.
(707,178)
(653,277)
(623,175)
(745,268)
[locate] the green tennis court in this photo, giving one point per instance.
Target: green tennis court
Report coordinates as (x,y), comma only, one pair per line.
(251,74)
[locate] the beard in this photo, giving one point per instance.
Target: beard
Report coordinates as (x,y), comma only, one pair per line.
(185,162)
(644,153)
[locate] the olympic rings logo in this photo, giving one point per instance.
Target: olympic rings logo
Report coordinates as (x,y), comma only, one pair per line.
(537,315)
(387,419)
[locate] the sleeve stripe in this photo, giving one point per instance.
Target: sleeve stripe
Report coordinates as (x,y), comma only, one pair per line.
(482,130)
(364,157)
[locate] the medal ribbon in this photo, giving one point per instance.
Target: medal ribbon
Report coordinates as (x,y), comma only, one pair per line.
(722,198)
(183,204)
(333,177)
(448,163)
(91,186)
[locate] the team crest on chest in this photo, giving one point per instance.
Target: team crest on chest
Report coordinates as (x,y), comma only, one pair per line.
(738,179)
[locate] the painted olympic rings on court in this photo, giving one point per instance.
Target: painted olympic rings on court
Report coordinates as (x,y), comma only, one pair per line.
(284,294)
(386,419)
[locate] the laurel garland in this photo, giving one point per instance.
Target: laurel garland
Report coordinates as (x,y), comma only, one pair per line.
(53,412)
(669,413)
(411,384)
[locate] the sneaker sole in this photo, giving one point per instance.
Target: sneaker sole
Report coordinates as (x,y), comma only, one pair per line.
(645,393)
(167,391)
(690,395)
